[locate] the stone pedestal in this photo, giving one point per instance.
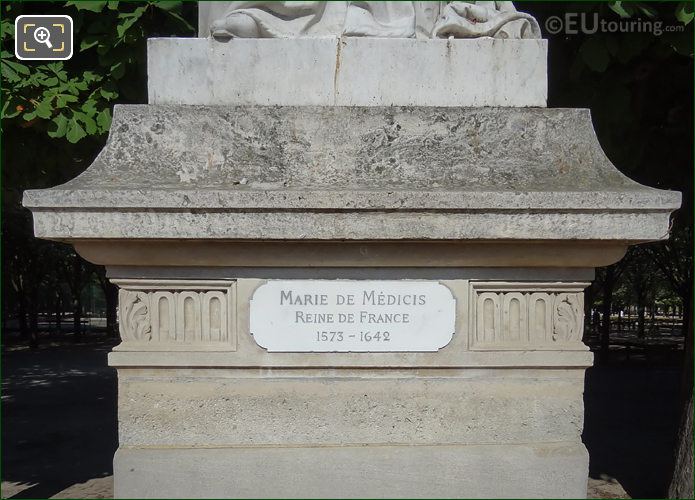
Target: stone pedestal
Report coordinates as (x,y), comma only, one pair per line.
(323,72)
(194,208)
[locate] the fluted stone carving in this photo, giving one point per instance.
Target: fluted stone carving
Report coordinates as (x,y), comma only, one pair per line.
(177,314)
(521,316)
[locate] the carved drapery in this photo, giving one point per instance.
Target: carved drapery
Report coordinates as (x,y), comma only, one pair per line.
(292,19)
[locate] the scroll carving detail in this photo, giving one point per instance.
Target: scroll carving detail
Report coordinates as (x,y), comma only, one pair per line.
(566,324)
(135,316)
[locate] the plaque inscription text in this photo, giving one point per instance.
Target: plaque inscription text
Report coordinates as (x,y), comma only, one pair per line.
(352,316)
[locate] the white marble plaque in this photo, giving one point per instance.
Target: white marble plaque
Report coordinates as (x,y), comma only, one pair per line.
(352,316)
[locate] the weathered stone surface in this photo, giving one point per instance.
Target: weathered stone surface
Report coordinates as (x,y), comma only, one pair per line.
(492,423)
(293,149)
(298,173)
(347,72)
(189,329)
(451,272)
(355,256)
(543,470)
(260,225)
(124,358)
(328,407)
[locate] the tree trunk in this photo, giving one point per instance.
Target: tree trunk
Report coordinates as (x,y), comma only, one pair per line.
(77,298)
(111,296)
(77,317)
(608,285)
(640,298)
(588,304)
(682,479)
(686,325)
(22,316)
(58,313)
(640,320)
(606,324)
(653,323)
(34,317)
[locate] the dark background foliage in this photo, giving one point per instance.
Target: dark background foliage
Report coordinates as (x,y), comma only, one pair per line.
(639,87)
(55,118)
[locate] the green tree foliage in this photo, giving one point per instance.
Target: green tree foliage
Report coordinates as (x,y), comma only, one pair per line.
(55,117)
(73,99)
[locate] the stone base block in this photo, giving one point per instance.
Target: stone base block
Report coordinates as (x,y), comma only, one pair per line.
(347,72)
(549,470)
(266,408)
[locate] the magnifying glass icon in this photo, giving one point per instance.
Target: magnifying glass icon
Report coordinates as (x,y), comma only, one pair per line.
(42,35)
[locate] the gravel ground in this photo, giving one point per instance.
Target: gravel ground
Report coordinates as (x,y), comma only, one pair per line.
(103,488)
(59,428)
